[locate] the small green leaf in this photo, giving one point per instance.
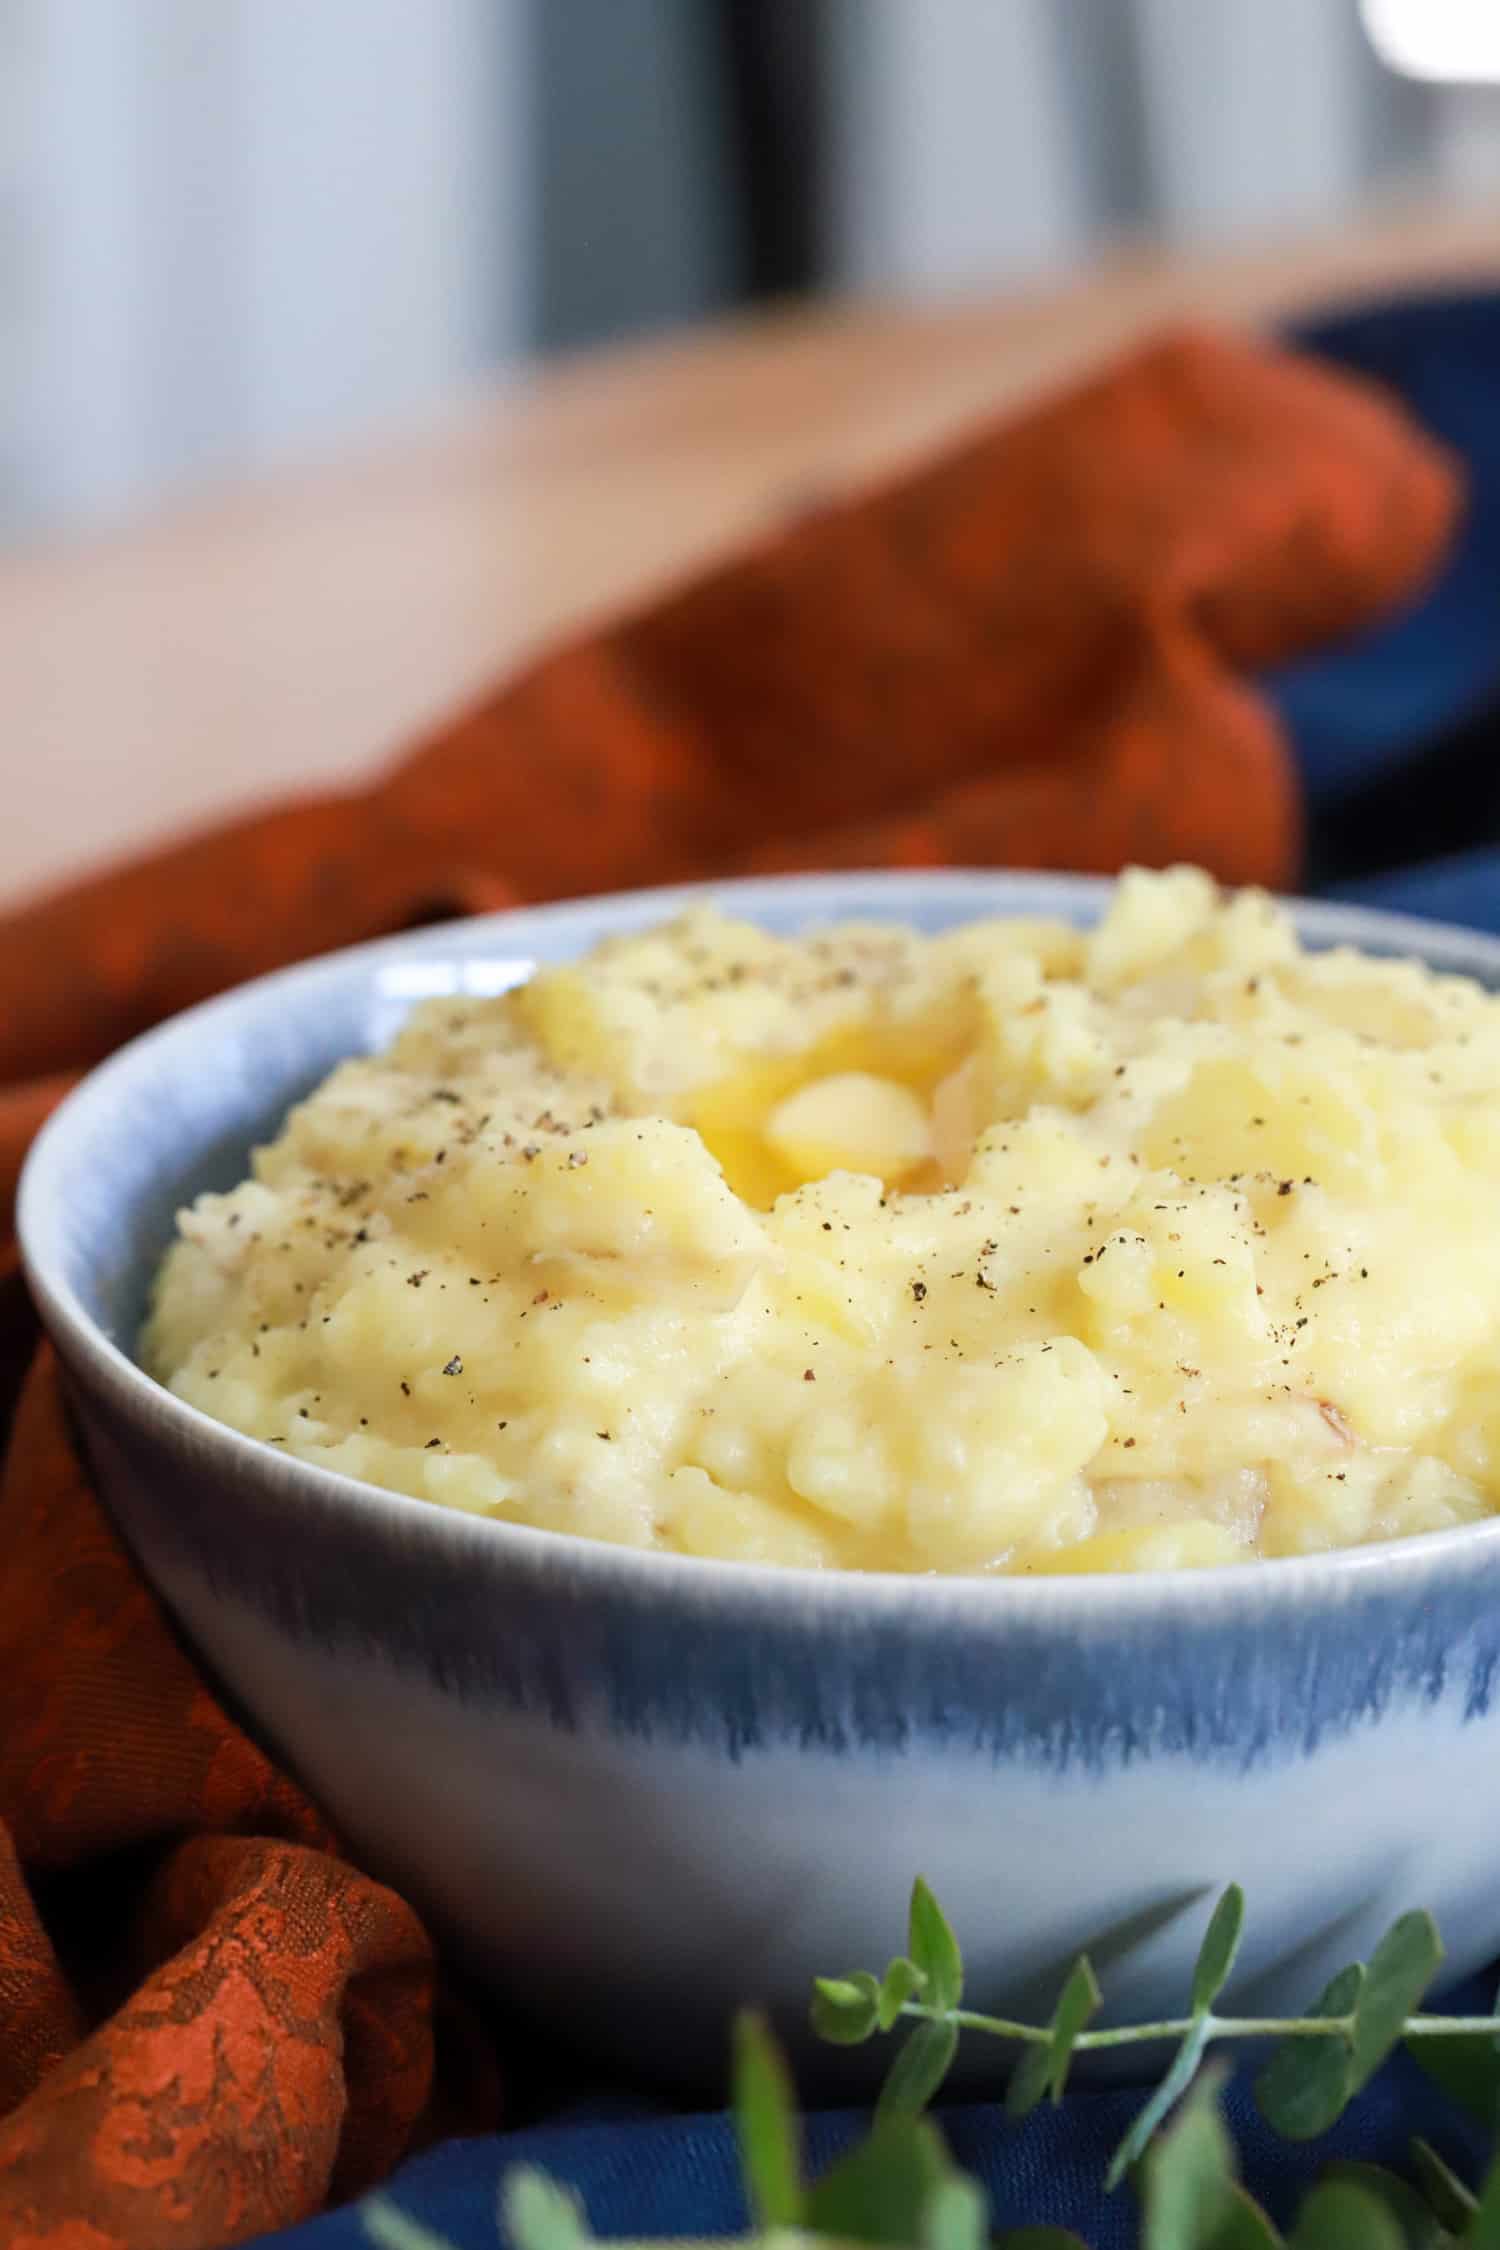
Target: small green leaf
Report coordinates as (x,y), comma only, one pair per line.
(845,1992)
(919,2069)
(882,2190)
(765,2124)
(1484,2227)
(1305,2086)
(1189,2175)
(1401,1968)
(1221,1942)
(1078,2002)
(1193,2198)
(1030,2080)
(1467,2069)
(1340,2216)
(934,1949)
(900,1981)
(1446,2194)
(1420,2229)
(846,2010)
(1171,2089)
(956,2217)
(536,2214)
(1043,2067)
(390,2229)
(1245,2226)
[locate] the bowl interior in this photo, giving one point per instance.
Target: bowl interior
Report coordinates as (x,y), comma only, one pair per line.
(179,1110)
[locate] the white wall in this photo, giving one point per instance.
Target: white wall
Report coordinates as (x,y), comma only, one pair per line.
(254,228)
(980,139)
(1251,112)
(951,160)
(232,231)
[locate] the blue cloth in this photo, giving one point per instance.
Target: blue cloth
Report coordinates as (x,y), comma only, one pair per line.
(679,2176)
(1378,708)
(1398,741)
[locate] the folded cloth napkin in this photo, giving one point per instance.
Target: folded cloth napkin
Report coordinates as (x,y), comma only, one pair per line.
(1038,650)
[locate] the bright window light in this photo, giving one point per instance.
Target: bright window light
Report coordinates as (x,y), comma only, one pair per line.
(1452,40)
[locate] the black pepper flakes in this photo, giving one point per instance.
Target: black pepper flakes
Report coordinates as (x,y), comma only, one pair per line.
(455,1366)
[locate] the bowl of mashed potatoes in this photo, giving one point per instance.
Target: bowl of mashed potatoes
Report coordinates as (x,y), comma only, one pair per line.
(677,1413)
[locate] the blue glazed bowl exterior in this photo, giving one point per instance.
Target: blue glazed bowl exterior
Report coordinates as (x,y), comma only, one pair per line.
(637,1790)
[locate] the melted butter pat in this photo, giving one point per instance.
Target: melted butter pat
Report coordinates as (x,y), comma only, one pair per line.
(851,1122)
(860,1102)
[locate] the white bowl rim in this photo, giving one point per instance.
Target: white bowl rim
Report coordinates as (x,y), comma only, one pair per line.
(561,1557)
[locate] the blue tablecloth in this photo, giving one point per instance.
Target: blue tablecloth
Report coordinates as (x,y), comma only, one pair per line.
(1398,740)
(643,2175)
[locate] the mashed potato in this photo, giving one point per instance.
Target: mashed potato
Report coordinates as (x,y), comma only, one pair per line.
(1014,1249)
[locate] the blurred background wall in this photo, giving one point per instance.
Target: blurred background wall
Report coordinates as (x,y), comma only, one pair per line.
(236,232)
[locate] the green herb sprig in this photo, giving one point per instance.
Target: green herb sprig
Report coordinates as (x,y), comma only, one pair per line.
(1324,2058)
(900,2187)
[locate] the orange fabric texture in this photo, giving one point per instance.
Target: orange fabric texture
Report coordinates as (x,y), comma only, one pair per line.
(1029,652)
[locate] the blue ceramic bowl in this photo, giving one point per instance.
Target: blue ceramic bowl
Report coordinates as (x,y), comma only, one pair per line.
(636,1790)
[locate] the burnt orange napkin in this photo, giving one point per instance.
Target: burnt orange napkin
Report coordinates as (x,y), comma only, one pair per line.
(1031,652)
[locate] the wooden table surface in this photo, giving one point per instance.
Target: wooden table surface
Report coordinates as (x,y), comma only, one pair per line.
(298,629)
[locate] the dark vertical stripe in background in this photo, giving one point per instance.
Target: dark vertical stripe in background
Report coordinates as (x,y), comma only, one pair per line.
(676,160)
(775,55)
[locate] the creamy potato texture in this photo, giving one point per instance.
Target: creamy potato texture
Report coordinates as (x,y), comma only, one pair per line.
(1014,1249)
